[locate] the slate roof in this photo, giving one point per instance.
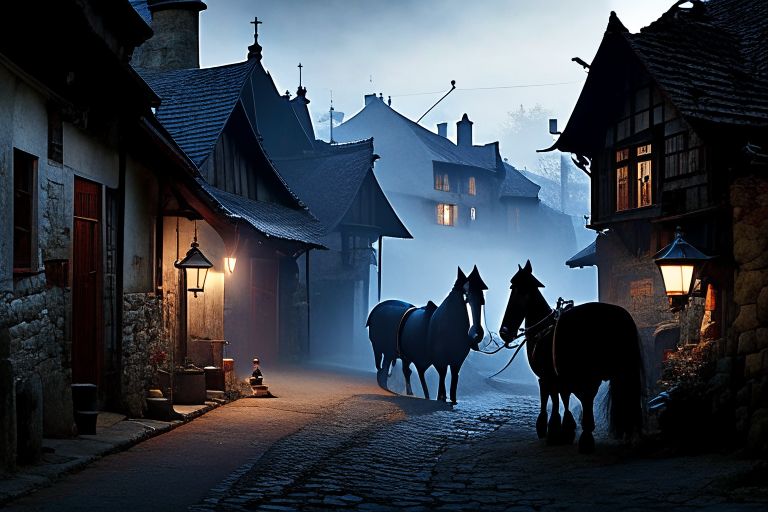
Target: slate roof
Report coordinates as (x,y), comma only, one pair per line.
(143,10)
(270,219)
(196,103)
(586,257)
(711,59)
(517,185)
(329,180)
(440,148)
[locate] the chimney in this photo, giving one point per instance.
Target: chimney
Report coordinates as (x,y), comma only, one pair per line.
(442,130)
(369,98)
(176,40)
(464,132)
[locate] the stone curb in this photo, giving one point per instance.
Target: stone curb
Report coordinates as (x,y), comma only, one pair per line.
(32,478)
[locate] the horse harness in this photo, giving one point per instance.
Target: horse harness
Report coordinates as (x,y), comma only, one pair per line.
(400,326)
(548,324)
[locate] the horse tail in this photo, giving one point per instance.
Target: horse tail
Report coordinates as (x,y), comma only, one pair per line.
(623,403)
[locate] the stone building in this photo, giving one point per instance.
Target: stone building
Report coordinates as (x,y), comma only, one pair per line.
(672,120)
(80,174)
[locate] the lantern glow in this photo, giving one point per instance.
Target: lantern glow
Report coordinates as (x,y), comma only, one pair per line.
(230,264)
(195,266)
(678,263)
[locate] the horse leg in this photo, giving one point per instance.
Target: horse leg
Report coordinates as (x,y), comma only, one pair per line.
(568,431)
(441,387)
(423,382)
(586,441)
(454,384)
(407,374)
(553,427)
(541,421)
(383,372)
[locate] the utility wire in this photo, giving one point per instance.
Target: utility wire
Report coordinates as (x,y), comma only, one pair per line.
(488,88)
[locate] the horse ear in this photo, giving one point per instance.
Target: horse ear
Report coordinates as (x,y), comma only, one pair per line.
(461,276)
(519,267)
(430,308)
(528,267)
(476,280)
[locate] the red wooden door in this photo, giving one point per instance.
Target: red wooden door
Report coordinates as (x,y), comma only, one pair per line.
(87,321)
(264,311)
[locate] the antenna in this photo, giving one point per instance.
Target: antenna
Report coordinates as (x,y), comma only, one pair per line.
(331,117)
(453,86)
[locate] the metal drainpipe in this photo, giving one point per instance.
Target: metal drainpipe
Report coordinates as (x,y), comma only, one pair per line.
(119,258)
(306,273)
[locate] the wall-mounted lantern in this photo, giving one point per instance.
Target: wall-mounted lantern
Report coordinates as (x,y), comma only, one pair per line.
(678,263)
(195,266)
(230,264)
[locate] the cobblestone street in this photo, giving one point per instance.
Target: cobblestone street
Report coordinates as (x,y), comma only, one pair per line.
(377,452)
(334,441)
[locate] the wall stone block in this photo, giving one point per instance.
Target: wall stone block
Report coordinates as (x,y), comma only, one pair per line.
(744,395)
(748,342)
(747,318)
(757,439)
(755,364)
(762,306)
(759,395)
(748,286)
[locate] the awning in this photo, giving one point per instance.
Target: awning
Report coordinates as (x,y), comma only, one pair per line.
(587,257)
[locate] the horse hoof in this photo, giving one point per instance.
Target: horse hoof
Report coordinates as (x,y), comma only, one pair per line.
(541,426)
(586,443)
(568,430)
(553,430)
(454,402)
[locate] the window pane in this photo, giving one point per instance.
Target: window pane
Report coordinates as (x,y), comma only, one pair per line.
(438,182)
(446,185)
(472,190)
(622,189)
(642,121)
(622,155)
(622,129)
(644,150)
(644,184)
(440,214)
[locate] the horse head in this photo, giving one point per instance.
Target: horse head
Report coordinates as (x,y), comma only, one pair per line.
(523,287)
(474,289)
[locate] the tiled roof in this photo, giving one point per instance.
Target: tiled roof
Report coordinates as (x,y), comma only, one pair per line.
(196,103)
(711,59)
(271,219)
(329,180)
(586,257)
(517,185)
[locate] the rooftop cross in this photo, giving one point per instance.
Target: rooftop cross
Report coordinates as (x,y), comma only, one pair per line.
(300,66)
(254,51)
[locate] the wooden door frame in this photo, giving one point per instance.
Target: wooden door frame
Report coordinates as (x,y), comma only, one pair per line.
(99,265)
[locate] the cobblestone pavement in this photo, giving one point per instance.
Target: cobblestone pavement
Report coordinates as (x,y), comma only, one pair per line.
(397,453)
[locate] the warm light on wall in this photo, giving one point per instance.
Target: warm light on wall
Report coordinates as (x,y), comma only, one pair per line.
(230,264)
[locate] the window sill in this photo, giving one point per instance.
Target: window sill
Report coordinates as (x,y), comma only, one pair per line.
(26,272)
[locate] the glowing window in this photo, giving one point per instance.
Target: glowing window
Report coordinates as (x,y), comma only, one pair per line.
(622,189)
(644,184)
(644,150)
(446,214)
(472,190)
(438,182)
(446,184)
(622,155)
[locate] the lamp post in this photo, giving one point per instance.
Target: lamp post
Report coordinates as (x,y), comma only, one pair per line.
(678,263)
(195,266)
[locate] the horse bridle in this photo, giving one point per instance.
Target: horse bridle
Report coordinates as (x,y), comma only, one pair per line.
(562,306)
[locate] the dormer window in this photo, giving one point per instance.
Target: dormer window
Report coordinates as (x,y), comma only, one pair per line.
(442,182)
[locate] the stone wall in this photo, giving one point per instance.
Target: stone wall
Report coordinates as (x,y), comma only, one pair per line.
(36,317)
(749,333)
(143,337)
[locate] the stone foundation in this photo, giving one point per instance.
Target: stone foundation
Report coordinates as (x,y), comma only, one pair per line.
(749,333)
(36,318)
(143,337)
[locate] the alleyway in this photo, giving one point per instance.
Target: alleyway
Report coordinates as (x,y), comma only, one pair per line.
(333,440)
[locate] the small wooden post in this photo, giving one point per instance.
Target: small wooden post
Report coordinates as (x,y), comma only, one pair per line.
(381,249)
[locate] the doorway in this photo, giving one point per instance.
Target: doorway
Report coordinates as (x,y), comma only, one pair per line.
(264,310)
(87,318)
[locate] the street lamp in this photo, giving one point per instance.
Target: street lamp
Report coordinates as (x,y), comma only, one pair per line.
(678,263)
(195,266)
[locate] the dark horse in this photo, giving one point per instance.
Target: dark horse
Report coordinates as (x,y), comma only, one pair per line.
(589,343)
(428,335)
